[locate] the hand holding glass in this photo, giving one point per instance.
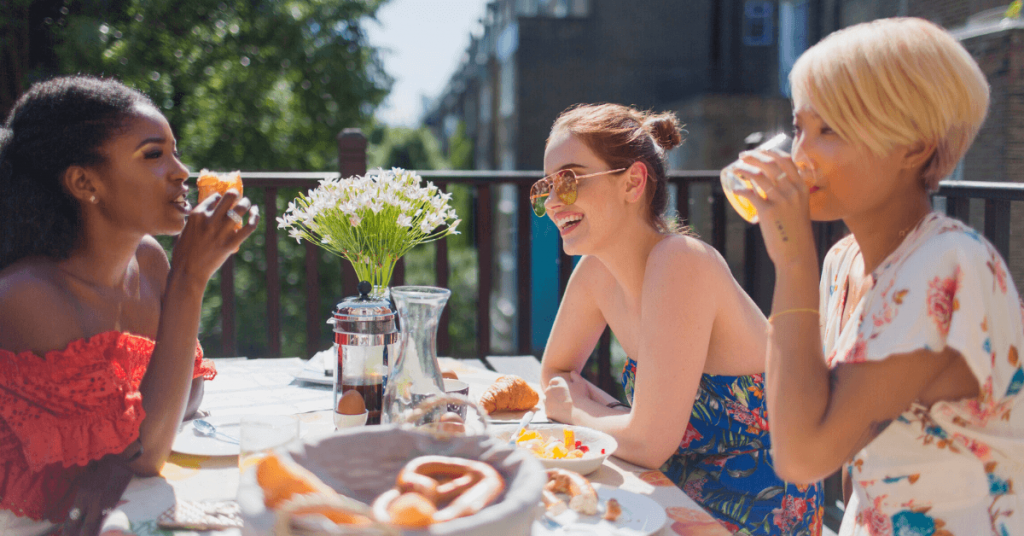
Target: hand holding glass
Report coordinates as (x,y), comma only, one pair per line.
(731,182)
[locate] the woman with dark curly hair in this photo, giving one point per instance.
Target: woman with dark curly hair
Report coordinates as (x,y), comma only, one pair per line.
(98,331)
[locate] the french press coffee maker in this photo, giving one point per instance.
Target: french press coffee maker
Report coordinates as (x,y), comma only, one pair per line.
(367,336)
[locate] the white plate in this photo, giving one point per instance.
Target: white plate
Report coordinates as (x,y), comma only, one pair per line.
(641,516)
(313,370)
(309,376)
(590,462)
(188,440)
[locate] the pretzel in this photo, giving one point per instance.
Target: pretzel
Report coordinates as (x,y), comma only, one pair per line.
(457,487)
(613,510)
(552,503)
(582,497)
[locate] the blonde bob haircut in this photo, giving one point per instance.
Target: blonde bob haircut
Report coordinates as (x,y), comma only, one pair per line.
(893,82)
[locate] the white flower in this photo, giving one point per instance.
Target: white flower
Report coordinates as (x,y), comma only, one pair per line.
(363,218)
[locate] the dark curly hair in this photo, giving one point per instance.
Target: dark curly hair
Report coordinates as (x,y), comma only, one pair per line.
(621,135)
(56,124)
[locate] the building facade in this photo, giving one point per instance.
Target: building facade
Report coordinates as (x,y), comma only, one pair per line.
(720,65)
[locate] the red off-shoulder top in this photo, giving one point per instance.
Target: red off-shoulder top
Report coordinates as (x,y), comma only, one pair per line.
(59,412)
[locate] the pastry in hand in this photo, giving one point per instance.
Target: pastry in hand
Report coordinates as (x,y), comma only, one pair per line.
(509,393)
(210,182)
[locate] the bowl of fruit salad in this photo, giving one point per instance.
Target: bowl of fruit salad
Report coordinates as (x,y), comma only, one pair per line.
(563,446)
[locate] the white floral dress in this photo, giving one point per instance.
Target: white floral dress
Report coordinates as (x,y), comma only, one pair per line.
(955,468)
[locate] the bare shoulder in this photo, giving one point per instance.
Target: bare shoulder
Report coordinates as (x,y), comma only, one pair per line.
(35,309)
(686,258)
(153,263)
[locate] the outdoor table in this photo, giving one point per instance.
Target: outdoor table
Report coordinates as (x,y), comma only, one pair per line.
(268,386)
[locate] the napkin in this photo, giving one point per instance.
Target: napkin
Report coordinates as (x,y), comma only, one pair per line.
(201,515)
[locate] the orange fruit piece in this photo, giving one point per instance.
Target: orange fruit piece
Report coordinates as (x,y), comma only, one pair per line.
(210,182)
(283,480)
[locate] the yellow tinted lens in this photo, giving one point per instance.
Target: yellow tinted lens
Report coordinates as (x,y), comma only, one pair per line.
(565,186)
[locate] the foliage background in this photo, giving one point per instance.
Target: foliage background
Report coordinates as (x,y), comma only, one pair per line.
(254,85)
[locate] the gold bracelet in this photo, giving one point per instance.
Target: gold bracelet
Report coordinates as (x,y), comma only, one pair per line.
(792,311)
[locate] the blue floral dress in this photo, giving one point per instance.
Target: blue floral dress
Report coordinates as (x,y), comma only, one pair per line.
(723,462)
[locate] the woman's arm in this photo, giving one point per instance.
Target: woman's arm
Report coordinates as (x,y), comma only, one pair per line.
(821,418)
(677,314)
(208,239)
(578,324)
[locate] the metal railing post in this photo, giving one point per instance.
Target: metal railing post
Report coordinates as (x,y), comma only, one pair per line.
(351,161)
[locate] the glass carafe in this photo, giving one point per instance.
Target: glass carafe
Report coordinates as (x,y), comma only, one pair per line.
(415,374)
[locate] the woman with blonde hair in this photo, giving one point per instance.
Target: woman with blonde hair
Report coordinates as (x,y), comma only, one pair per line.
(903,365)
(695,340)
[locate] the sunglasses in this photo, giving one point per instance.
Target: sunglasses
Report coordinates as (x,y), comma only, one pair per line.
(563,182)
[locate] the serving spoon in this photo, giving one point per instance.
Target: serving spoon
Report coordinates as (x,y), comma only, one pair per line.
(206,429)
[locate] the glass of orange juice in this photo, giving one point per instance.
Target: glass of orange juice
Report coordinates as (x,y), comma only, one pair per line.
(731,182)
(260,434)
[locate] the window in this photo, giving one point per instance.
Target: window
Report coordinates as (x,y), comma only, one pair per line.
(757,23)
(792,38)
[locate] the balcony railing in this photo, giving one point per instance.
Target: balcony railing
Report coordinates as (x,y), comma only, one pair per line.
(997,198)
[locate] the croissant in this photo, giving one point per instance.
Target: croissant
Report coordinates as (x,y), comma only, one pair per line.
(509,393)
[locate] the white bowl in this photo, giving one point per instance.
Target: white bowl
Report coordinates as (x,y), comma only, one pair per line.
(348,421)
(590,462)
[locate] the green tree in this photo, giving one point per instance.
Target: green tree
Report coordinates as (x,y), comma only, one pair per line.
(259,84)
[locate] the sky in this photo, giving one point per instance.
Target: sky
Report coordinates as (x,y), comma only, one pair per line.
(422,42)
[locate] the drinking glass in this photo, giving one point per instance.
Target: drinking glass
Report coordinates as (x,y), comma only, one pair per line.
(259,434)
(781,143)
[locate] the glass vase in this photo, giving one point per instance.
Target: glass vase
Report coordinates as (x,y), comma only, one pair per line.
(415,374)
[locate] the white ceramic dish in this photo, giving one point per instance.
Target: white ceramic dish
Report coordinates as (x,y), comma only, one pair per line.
(641,516)
(189,441)
(348,421)
(590,462)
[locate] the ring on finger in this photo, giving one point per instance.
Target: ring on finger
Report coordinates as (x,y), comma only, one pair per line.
(781,176)
(235,217)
